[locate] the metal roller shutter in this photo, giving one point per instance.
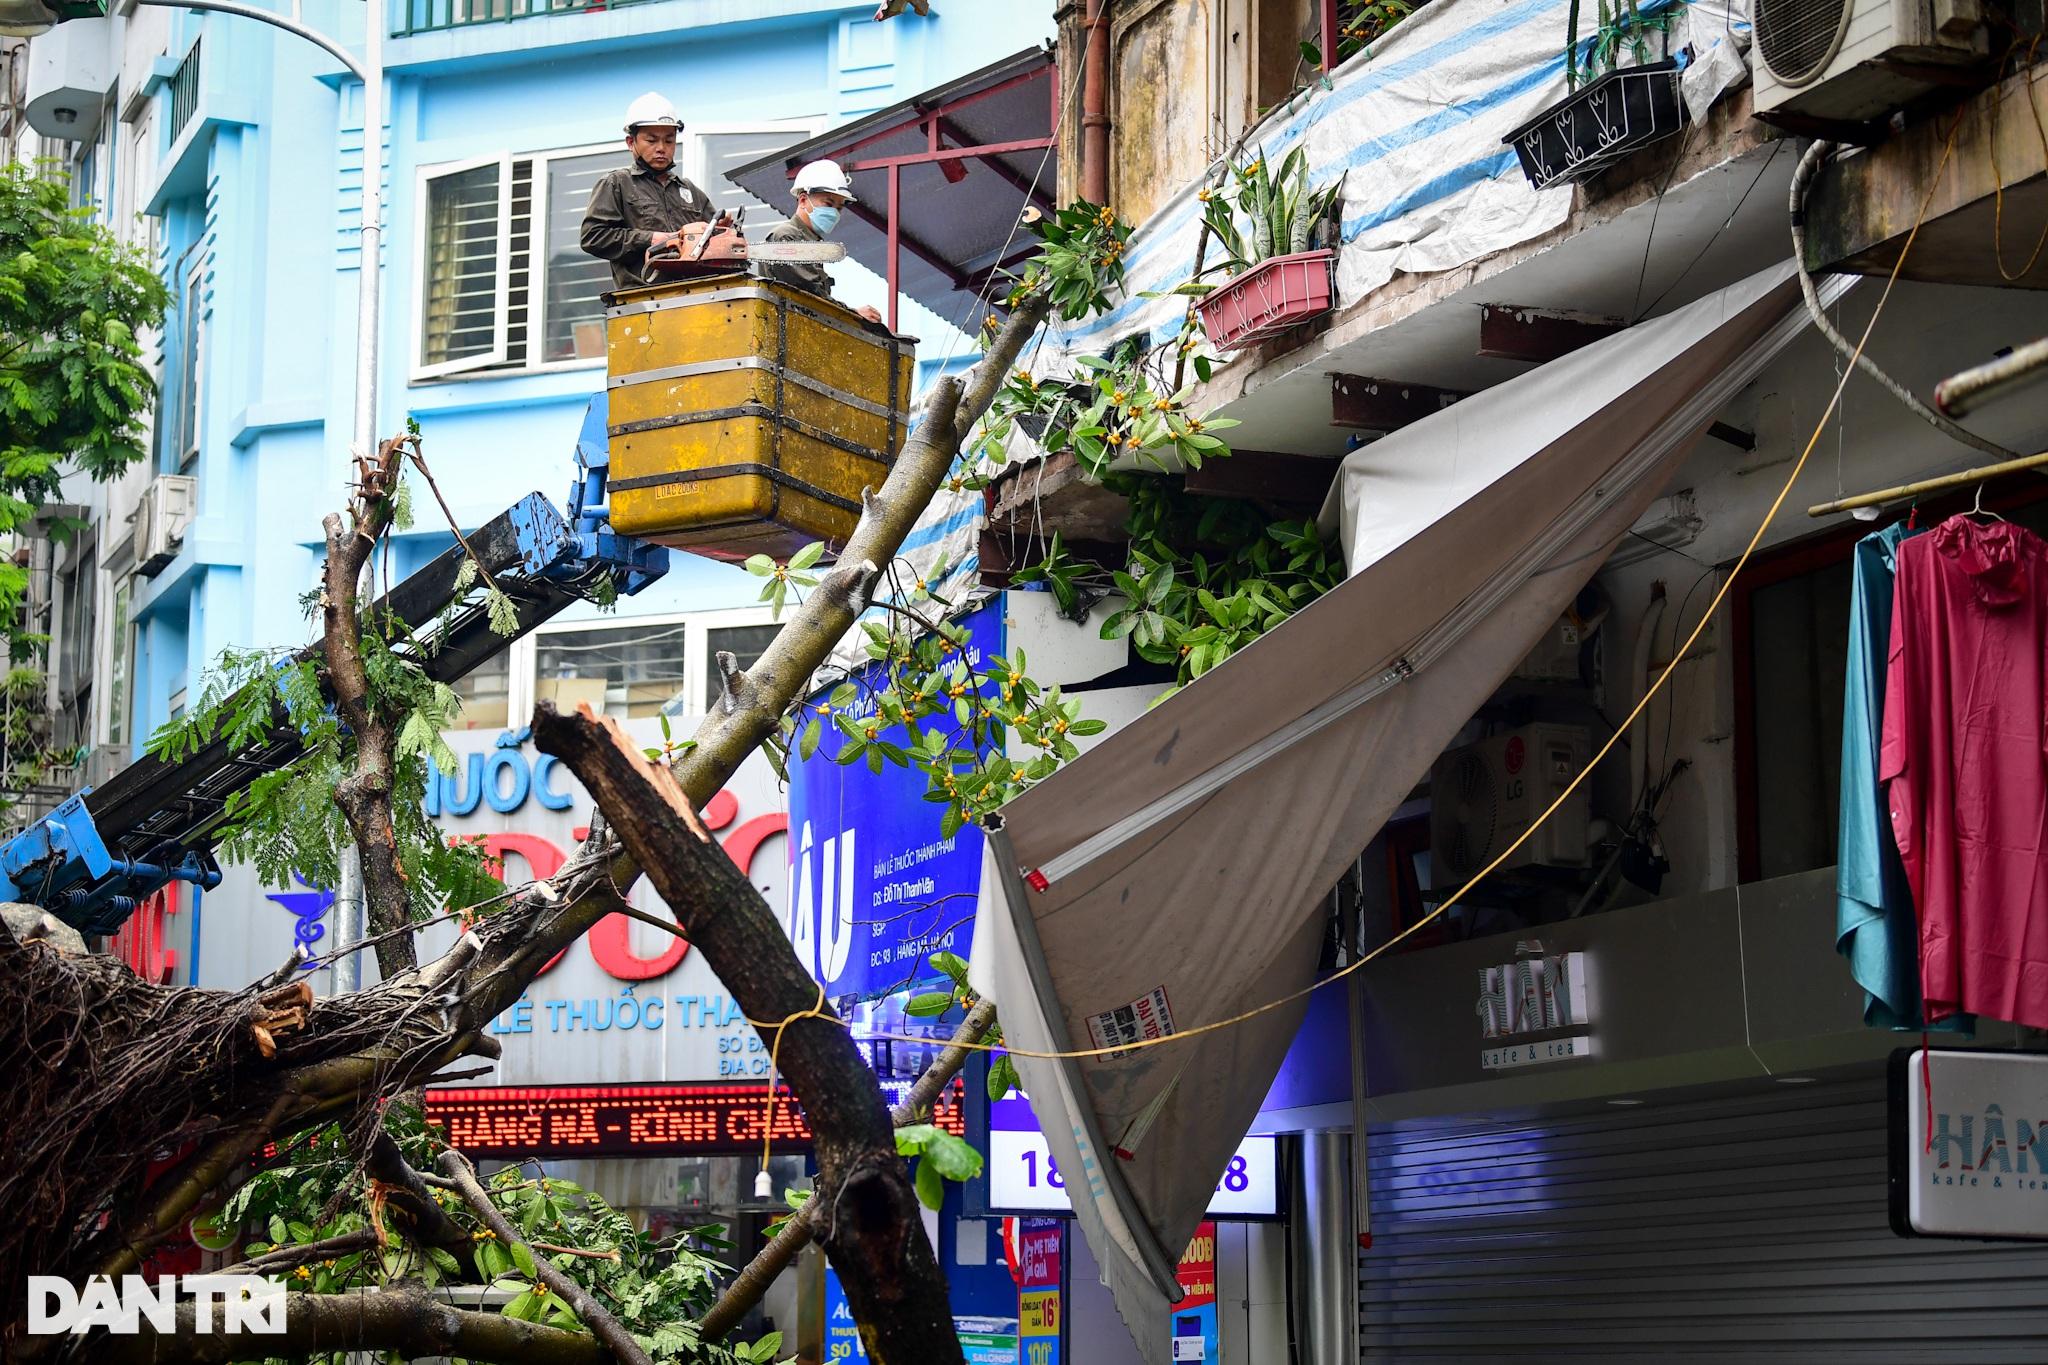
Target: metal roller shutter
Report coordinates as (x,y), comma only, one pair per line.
(1750,1228)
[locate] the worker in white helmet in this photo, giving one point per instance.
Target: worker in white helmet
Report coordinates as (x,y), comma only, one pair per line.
(822,191)
(644,206)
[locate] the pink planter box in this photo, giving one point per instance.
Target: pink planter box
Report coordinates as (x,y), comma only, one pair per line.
(1271,297)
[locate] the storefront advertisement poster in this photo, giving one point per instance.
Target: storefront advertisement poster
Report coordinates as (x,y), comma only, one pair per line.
(842,1334)
(1194,1317)
(876,888)
(1039,1278)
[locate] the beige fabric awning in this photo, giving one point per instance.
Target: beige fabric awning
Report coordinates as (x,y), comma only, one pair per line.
(1184,861)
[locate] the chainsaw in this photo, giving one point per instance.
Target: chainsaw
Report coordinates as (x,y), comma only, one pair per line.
(721,248)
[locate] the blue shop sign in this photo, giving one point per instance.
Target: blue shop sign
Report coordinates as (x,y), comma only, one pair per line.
(875,888)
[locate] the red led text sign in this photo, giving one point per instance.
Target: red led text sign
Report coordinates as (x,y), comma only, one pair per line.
(630,1120)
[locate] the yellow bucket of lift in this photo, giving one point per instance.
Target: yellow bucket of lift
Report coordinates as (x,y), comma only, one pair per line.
(746,416)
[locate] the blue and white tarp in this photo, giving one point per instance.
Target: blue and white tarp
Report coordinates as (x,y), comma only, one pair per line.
(1415,127)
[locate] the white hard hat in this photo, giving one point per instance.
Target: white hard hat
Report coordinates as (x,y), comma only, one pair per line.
(823,175)
(651,110)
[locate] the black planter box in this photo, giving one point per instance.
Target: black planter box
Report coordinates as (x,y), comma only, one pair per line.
(1600,123)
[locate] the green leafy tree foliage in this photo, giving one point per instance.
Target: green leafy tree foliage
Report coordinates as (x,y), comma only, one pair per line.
(74,391)
(286,822)
(316,1196)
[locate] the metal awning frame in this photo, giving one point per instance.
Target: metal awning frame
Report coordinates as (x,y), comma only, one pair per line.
(934,121)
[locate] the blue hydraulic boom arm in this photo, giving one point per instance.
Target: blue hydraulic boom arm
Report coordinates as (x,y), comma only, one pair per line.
(104,850)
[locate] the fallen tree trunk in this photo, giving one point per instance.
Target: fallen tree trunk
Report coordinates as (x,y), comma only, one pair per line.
(871,1228)
(403,1319)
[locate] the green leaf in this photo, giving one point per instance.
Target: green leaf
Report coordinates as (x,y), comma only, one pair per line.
(931,1188)
(278,1232)
(808,555)
(1002,1077)
(929,1005)
(523,1259)
(954,1157)
(952,965)
(493,1260)
(502,612)
(526,1308)
(761,566)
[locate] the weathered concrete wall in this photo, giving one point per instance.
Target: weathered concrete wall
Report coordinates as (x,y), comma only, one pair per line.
(1863,206)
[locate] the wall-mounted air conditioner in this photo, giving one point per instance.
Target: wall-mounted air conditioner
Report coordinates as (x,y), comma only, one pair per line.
(1482,796)
(1854,61)
(160,520)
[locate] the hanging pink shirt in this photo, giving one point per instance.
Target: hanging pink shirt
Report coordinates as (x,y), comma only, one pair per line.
(1965,763)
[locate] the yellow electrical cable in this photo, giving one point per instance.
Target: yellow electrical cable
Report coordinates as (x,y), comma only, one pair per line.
(1670,668)
(817,1011)
(1998,180)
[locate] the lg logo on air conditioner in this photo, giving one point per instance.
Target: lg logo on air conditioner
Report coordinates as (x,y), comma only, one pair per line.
(220,1303)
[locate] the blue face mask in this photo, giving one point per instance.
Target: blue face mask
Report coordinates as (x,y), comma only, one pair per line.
(823,219)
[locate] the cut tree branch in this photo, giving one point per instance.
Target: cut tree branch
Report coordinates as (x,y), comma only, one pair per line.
(874,1232)
(753,1281)
(284,1258)
(409,1195)
(595,1315)
(782,674)
(365,794)
(409,1321)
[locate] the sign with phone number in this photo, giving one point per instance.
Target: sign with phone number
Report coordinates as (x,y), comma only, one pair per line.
(1022,1177)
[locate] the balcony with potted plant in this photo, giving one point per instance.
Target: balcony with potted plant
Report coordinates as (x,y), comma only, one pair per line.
(1278,246)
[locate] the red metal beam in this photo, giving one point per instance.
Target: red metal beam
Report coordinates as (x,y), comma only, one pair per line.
(910,244)
(895,241)
(986,149)
(943,125)
(1044,73)
(1265,476)
(1331,33)
(1383,405)
(1507,332)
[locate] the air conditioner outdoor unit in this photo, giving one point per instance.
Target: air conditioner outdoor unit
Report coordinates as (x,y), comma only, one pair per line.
(1481,797)
(160,521)
(1853,61)
(103,762)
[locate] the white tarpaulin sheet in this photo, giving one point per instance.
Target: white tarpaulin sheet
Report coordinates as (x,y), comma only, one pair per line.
(1185,859)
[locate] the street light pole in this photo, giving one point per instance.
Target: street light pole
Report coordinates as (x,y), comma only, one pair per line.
(350,911)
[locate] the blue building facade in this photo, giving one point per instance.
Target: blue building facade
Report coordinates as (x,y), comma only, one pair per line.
(498,116)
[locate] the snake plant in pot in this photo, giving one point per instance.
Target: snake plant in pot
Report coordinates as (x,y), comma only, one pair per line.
(1273,228)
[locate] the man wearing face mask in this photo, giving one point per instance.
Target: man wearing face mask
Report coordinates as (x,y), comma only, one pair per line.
(822,190)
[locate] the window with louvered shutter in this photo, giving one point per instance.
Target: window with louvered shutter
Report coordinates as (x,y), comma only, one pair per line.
(574,328)
(728,151)
(465,267)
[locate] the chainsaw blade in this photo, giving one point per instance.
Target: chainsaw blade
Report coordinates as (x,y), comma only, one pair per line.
(820,252)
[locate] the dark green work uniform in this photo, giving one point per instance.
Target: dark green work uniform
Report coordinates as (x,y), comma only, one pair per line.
(805,275)
(627,207)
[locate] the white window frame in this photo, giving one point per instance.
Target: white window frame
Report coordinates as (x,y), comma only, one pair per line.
(501,306)
(800,130)
(698,625)
(690,161)
(191,352)
(537,283)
